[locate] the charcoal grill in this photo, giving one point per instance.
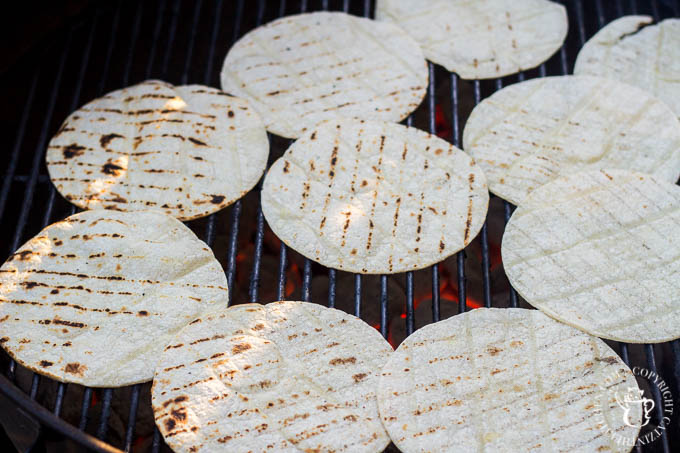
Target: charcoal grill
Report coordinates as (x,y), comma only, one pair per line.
(109,45)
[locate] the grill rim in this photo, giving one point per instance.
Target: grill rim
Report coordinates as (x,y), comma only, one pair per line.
(52,419)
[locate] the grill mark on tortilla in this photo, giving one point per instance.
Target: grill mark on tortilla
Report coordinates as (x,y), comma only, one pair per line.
(197,142)
(106,139)
(331,175)
(421,209)
(375,193)
(75,368)
(109,277)
(468,220)
(73,150)
(112,169)
(306,186)
(356,166)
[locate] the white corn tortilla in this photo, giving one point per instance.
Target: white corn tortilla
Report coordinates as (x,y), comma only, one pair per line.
(600,250)
(284,377)
(186,150)
(632,51)
(94,298)
(529,133)
(481,39)
(374,197)
(299,70)
(505,380)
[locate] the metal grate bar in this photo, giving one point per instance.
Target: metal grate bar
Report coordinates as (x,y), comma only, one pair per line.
(171,39)
(455,132)
(655,10)
(85,409)
(192,39)
(109,49)
(357,295)
(581,22)
(633,6)
(253,291)
(675,348)
(281,288)
(133,44)
(384,309)
(233,244)
(410,321)
(483,235)
(207,78)
(507,211)
(35,383)
(331,287)
(107,396)
(213,41)
(236,208)
(619,8)
(156,441)
(307,281)
(600,13)
(257,257)
(18,141)
(132,417)
(156,36)
(507,206)
(74,104)
(431,110)
(59,400)
(283,250)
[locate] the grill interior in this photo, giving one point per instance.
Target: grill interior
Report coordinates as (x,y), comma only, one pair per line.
(109,45)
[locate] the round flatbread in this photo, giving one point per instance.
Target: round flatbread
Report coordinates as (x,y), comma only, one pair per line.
(94,298)
(300,70)
(284,377)
(600,251)
(630,50)
(186,150)
(481,39)
(506,380)
(528,134)
(374,197)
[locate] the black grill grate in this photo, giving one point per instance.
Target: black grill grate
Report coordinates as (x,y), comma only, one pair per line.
(110,45)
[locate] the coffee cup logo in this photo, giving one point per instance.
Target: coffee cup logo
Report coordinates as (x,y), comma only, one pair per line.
(634,396)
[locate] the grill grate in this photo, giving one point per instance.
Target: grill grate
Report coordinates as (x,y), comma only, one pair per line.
(110,45)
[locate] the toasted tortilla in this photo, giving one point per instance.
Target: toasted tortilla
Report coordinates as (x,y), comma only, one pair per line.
(94,298)
(631,50)
(285,377)
(600,251)
(506,380)
(481,39)
(530,133)
(186,150)
(300,70)
(374,197)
